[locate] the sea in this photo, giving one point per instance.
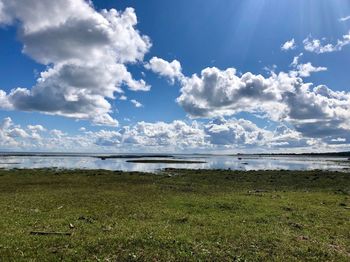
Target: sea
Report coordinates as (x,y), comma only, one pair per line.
(122,162)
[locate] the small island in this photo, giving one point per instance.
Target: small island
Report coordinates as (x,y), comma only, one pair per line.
(165,161)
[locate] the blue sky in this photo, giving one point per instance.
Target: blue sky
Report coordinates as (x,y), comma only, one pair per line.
(244,35)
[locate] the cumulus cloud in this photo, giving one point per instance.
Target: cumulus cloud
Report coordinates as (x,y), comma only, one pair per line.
(281,97)
(36,128)
(176,134)
(171,70)
(316,45)
(86,51)
(136,103)
(17,132)
(57,133)
(289,45)
(4,103)
(221,92)
(6,123)
(305,70)
(235,132)
(244,134)
(15,137)
(217,134)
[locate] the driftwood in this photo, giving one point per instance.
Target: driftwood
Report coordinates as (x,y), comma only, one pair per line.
(42,233)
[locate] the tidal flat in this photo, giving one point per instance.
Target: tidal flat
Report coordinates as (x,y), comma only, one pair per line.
(174,215)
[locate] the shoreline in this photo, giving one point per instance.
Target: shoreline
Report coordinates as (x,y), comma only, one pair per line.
(170,169)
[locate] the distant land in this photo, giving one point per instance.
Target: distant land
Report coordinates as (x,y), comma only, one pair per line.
(150,155)
(340,154)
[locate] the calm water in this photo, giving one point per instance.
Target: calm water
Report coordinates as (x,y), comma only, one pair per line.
(212,162)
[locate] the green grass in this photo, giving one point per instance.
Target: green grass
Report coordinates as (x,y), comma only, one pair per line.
(179,215)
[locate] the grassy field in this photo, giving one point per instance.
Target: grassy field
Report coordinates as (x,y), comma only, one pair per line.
(176,216)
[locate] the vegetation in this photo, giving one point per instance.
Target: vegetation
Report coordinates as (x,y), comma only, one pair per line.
(177,215)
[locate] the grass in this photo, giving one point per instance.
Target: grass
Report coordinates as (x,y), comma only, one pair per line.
(181,215)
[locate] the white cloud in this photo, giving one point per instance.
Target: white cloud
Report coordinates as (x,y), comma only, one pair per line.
(123,98)
(141,136)
(4,103)
(235,132)
(241,133)
(216,93)
(344,19)
(17,132)
(176,134)
(289,45)
(339,139)
(172,70)
(57,133)
(316,45)
(218,134)
(296,60)
(305,70)
(6,123)
(136,103)
(36,128)
(14,137)
(280,97)
(86,52)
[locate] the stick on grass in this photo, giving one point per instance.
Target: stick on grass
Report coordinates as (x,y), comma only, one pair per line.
(42,233)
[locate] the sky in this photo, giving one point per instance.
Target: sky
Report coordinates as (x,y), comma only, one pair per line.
(228,76)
